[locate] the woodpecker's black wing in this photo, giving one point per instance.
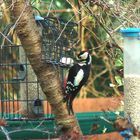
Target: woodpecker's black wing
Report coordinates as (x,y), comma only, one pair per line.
(75,77)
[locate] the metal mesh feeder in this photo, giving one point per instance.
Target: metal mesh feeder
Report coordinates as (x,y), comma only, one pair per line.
(58,38)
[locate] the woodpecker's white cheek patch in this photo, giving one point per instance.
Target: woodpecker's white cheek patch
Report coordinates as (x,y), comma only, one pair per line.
(78,78)
(84,55)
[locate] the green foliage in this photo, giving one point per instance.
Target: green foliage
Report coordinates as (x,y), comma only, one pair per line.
(119,58)
(119,80)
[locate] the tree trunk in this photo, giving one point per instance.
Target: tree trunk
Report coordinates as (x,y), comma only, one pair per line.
(48,77)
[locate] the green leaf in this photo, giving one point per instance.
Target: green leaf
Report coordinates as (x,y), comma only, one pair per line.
(119,80)
(119,62)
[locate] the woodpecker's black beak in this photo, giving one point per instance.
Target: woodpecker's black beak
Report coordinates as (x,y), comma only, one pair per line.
(78,57)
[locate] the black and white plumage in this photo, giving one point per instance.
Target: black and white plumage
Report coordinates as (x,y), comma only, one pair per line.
(77,77)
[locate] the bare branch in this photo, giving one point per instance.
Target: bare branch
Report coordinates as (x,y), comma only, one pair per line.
(7,38)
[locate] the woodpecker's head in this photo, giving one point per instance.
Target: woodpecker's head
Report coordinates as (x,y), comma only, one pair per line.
(84,57)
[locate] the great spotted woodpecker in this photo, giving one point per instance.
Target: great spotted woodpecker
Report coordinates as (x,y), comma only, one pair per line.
(77,77)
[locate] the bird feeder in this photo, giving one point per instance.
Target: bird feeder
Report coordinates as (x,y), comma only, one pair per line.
(132,73)
(58,39)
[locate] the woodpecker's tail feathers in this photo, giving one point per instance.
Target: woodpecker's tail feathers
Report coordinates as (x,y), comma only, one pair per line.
(65,98)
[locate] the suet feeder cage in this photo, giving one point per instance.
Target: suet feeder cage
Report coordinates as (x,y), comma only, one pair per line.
(58,39)
(132,72)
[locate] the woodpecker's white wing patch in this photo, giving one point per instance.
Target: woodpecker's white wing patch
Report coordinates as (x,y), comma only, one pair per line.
(78,77)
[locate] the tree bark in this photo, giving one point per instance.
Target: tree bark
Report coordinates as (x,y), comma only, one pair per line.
(48,77)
